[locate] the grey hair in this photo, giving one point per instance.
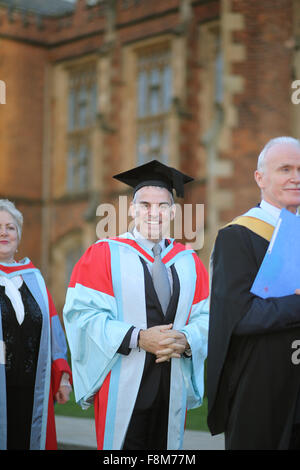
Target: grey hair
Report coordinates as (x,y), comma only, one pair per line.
(271,143)
(8,206)
(135,195)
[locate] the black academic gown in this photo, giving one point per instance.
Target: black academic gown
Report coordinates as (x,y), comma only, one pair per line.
(252,383)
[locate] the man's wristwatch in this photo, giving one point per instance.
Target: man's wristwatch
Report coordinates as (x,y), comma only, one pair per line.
(187,352)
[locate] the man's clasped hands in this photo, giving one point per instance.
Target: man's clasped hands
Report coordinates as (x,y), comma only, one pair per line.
(163,341)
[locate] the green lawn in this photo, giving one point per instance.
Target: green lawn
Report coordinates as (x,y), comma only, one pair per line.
(196,418)
(72,409)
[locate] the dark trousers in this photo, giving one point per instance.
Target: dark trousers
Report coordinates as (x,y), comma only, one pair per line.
(148,429)
(294,440)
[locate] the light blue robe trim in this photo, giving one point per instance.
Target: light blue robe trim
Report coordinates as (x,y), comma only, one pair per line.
(94,334)
(182,422)
(110,423)
(177,386)
(129,247)
(190,370)
(179,255)
(37,287)
(132,305)
(193,370)
(24,262)
(58,342)
(164,252)
(115,372)
(18,273)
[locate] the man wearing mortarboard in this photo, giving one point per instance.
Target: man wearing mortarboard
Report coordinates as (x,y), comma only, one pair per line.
(136,320)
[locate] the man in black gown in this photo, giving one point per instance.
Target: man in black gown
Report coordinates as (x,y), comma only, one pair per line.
(253,386)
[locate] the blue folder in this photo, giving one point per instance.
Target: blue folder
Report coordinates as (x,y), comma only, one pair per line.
(279,273)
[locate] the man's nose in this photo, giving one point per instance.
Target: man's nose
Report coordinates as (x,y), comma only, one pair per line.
(296,177)
(154,210)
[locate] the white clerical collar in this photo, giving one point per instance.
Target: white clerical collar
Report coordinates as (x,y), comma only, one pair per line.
(149,244)
(272,210)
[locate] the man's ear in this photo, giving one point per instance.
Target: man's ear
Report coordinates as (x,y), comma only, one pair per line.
(173,212)
(258,176)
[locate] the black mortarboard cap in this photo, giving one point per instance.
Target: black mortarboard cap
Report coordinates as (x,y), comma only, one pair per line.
(155,173)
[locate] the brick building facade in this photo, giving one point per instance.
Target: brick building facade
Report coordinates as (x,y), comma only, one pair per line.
(94,88)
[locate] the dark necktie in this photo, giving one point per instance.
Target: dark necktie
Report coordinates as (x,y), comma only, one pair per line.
(160,279)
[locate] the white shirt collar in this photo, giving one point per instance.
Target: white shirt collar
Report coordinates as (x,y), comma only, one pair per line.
(149,244)
(272,210)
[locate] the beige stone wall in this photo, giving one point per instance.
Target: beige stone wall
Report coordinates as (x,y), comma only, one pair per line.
(59,265)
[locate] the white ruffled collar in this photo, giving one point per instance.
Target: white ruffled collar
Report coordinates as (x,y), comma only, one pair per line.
(12,286)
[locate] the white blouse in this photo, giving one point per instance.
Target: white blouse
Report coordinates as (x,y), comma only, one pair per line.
(12,286)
